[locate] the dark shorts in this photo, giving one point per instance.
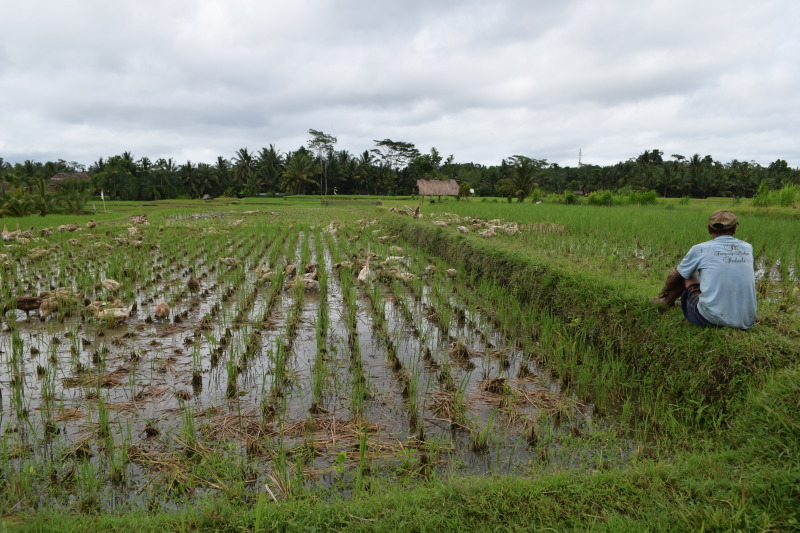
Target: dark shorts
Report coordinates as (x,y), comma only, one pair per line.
(689,299)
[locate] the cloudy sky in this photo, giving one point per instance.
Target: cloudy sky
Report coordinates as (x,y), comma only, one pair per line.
(482,80)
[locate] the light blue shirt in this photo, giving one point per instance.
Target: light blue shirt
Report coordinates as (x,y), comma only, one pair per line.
(725,268)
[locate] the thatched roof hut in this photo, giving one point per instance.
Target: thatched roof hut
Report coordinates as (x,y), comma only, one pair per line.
(57,180)
(437,187)
(207,197)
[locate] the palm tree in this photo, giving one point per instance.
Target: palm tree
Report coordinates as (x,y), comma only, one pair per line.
(43,201)
(73,196)
(222,171)
(5,171)
(350,173)
(27,171)
(522,179)
(243,166)
(17,204)
(381,178)
(206,179)
(667,179)
(164,177)
(97,167)
(270,167)
(127,161)
(300,168)
(365,168)
(190,179)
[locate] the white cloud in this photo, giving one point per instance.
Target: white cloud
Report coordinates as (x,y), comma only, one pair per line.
(196,79)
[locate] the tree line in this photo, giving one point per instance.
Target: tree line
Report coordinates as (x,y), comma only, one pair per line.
(389,168)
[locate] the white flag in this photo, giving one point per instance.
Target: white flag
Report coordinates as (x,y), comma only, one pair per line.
(101,196)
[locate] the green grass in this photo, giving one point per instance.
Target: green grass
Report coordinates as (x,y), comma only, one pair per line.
(715,412)
(710,491)
(673,369)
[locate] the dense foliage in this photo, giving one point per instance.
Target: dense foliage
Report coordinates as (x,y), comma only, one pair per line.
(391,168)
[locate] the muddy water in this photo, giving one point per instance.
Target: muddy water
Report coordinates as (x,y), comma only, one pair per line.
(237,362)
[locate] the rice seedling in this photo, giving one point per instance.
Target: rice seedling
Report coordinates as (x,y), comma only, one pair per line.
(188,430)
(389,351)
(480,438)
(320,371)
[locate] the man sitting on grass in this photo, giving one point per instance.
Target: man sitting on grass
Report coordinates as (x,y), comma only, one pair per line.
(716,279)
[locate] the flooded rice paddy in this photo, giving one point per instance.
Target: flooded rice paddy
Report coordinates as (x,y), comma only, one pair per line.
(277,355)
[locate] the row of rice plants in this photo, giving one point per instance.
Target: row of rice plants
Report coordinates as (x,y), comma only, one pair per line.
(644,241)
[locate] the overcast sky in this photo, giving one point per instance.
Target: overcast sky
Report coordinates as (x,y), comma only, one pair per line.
(481,80)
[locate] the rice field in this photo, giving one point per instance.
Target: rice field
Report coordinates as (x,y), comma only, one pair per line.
(145,361)
(643,243)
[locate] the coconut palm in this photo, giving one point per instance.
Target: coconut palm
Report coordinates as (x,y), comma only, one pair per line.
(190,178)
(43,201)
(17,204)
(350,173)
(270,167)
(222,174)
(243,166)
(522,179)
(300,167)
(73,196)
(206,179)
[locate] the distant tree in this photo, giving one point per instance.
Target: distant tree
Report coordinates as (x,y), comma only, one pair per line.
(382,178)
(397,154)
(73,195)
(27,172)
(349,172)
(427,166)
(190,179)
(554,178)
(365,181)
(117,177)
(743,178)
(243,166)
(97,167)
(779,174)
(269,166)
(490,179)
(396,157)
(522,180)
(667,180)
(704,178)
(206,179)
(299,172)
(322,144)
(51,168)
(165,178)
(18,203)
(43,201)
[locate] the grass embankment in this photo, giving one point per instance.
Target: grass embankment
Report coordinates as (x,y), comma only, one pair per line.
(678,374)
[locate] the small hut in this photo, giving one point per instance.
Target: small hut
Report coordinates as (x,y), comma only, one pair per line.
(54,183)
(207,197)
(437,188)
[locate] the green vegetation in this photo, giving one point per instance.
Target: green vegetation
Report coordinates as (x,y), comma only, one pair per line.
(412,389)
(389,168)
